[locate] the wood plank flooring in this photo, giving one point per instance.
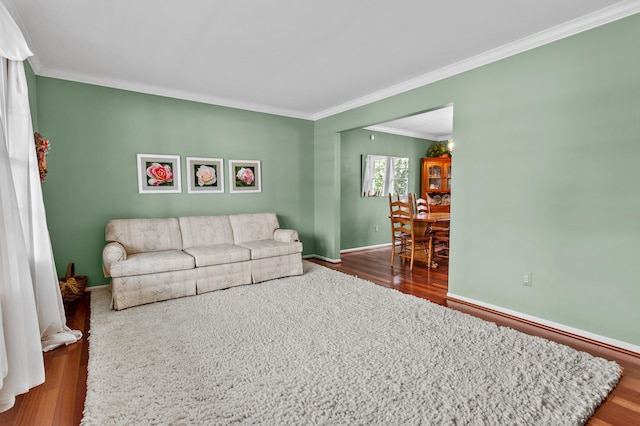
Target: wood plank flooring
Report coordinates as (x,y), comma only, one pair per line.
(60,400)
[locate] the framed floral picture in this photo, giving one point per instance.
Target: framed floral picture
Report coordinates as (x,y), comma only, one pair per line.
(158,174)
(205,175)
(244,176)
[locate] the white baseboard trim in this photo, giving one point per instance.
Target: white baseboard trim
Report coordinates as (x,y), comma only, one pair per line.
(326,259)
(565,328)
(365,247)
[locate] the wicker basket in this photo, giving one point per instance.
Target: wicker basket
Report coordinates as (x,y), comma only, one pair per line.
(72,286)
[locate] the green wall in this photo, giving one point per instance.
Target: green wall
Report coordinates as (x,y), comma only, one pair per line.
(546,179)
(359,216)
(95,133)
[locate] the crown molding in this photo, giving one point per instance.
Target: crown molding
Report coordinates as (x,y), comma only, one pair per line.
(170,93)
(567,29)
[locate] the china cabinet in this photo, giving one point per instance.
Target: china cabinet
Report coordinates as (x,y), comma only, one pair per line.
(436,182)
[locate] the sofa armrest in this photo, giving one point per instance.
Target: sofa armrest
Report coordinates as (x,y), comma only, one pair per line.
(286,235)
(112,252)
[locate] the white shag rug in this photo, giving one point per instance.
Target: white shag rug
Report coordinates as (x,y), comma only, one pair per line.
(326,348)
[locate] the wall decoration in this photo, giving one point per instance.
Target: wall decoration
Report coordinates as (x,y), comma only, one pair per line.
(42,148)
(244,176)
(158,174)
(205,175)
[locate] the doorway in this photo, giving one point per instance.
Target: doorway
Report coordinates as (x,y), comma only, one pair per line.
(364,220)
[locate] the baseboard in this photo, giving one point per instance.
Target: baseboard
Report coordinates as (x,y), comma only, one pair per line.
(317,256)
(566,330)
(365,248)
(326,259)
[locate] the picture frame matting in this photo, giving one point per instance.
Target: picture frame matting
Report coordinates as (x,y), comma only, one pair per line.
(158,174)
(205,175)
(245,176)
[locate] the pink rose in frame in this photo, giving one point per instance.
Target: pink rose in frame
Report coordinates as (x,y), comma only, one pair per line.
(245,175)
(159,174)
(206,176)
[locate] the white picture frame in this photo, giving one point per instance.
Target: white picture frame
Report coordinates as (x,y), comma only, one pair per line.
(244,176)
(158,174)
(205,175)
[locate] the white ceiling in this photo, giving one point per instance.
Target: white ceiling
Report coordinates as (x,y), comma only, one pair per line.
(436,125)
(298,58)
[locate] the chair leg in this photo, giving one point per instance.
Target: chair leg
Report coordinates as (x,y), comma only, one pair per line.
(393,251)
(413,246)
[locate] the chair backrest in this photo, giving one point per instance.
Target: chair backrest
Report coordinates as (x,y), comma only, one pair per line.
(401,208)
(421,205)
(401,216)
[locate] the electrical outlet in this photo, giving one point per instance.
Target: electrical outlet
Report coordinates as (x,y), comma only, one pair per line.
(527,279)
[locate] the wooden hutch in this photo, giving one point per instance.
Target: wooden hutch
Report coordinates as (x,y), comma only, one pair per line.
(436,182)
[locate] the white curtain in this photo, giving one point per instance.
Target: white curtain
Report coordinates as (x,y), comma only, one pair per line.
(367,179)
(30,301)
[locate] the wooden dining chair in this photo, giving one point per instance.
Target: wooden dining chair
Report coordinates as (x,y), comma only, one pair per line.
(439,231)
(421,204)
(405,242)
(440,240)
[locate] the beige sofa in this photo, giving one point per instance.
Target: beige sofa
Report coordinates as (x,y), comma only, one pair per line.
(150,260)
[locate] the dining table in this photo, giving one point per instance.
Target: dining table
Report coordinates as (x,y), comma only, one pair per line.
(431,217)
(424,221)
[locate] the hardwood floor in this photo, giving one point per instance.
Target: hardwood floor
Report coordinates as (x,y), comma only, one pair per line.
(60,400)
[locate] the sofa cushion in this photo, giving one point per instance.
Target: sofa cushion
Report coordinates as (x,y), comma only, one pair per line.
(204,230)
(145,235)
(152,262)
(271,248)
(253,227)
(217,254)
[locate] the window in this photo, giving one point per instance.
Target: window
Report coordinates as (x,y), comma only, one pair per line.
(385,175)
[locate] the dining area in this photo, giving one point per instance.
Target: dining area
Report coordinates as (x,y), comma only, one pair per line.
(419,236)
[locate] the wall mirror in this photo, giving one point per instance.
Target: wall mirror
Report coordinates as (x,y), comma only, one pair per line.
(383,175)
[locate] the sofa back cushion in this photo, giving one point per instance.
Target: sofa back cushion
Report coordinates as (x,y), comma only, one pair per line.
(253,227)
(145,235)
(200,231)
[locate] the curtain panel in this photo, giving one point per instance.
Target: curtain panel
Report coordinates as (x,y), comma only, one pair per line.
(32,317)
